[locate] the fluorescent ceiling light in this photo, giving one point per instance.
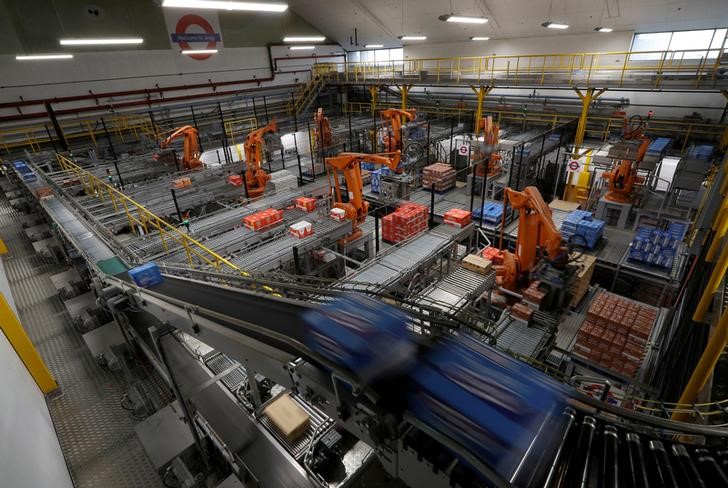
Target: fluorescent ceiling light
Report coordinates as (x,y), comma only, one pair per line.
(220,5)
(479,38)
(199,51)
(464,19)
(304,39)
(39,57)
(555,25)
(604,29)
(413,38)
(301,48)
(101,42)
(371,46)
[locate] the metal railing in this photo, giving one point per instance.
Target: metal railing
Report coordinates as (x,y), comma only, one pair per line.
(141,219)
(598,126)
(125,127)
(698,68)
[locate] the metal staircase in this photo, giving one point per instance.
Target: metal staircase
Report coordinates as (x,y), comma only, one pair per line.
(306,95)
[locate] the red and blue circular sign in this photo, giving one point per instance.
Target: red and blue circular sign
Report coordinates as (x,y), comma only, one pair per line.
(184,38)
(574,165)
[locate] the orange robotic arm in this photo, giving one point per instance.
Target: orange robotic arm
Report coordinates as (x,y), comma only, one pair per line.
(322,129)
(349,164)
(191,156)
(255,176)
(396,119)
(536,230)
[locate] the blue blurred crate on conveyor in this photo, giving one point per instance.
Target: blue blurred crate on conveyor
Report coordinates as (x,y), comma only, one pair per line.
(655,246)
(659,146)
(368,337)
(582,228)
(491,212)
(146,276)
(701,151)
(484,399)
(25,172)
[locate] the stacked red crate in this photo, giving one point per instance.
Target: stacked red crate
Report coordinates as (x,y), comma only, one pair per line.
(306,203)
(264,219)
(493,255)
(439,176)
(615,333)
(235,180)
(457,217)
(408,220)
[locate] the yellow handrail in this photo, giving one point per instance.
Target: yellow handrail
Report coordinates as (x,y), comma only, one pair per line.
(536,69)
(146,219)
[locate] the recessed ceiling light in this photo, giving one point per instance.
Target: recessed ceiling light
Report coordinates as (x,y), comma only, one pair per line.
(220,5)
(301,48)
(40,57)
(413,38)
(555,25)
(101,42)
(463,19)
(479,38)
(604,29)
(372,46)
(304,39)
(199,51)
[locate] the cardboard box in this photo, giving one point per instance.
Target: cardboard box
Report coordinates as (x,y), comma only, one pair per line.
(557,204)
(44,192)
(235,180)
(338,214)
(306,203)
(457,217)
(476,264)
(301,229)
(264,219)
(181,183)
(288,417)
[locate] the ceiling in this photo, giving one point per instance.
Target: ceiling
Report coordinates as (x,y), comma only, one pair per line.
(381,21)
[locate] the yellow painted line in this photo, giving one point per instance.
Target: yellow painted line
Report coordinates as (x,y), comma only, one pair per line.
(3,248)
(22,344)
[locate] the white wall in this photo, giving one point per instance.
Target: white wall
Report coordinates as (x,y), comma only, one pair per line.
(664,104)
(30,455)
(129,70)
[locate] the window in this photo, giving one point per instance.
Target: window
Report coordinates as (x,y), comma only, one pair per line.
(378,56)
(691,44)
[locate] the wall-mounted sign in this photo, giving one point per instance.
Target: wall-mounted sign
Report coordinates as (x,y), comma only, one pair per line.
(574,166)
(189,32)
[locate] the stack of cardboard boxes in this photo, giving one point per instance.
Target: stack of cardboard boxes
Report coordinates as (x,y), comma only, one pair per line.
(615,333)
(439,177)
(306,203)
(408,220)
(181,183)
(457,217)
(235,180)
(264,219)
(301,229)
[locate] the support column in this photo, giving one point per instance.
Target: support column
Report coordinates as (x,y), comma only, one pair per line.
(480,92)
(706,365)
(374,93)
(404,91)
(587,98)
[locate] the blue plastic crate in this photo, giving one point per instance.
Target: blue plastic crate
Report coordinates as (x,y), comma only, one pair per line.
(147,275)
(366,336)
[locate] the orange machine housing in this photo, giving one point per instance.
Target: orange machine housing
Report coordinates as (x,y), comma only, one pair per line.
(537,237)
(321,130)
(395,119)
(490,154)
(191,154)
(255,176)
(349,165)
(623,177)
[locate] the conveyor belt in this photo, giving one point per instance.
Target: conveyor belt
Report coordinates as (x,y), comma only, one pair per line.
(388,268)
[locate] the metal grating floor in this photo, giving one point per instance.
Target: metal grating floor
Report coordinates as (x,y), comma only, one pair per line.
(96,435)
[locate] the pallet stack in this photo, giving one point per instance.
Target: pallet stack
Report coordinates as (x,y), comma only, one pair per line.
(408,220)
(584,226)
(439,177)
(655,246)
(580,284)
(615,333)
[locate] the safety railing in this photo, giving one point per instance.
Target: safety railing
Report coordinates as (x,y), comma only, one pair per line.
(141,219)
(305,95)
(598,126)
(240,127)
(125,127)
(691,69)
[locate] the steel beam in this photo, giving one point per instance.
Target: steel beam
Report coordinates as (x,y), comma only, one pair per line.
(480,92)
